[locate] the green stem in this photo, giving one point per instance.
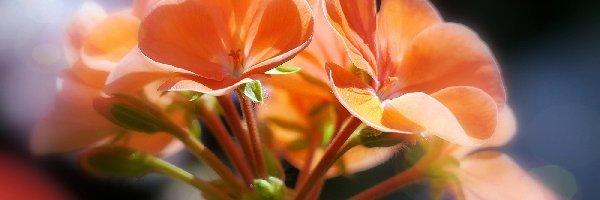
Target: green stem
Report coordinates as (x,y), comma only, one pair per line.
(175,172)
(205,155)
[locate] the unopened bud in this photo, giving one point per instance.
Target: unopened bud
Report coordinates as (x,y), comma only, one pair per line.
(117,161)
(269,189)
(131,113)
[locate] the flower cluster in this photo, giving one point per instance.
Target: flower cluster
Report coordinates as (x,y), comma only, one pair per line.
(333,87)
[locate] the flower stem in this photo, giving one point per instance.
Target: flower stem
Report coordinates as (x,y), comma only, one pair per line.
(235,123)
(414,173)
(313,145)
(231,150)
(389,185)
(175,172)
(330,156)
(205,155)
(248,110)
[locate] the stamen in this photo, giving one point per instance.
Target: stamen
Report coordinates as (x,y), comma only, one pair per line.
(236,57)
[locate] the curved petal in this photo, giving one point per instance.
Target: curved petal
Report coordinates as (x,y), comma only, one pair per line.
(185,82)
(72,123)
(279,29)
(357,97)
(192,35)
(135,70)
(398,22)
(104,46)
(159,144)
(447,55)
(431,116)
(81,24)
(495,176)
(506,128)
(355,22)
(142,7)
(325,47)
(474,109)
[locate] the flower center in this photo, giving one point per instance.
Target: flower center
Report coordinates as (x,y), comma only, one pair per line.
(237,61)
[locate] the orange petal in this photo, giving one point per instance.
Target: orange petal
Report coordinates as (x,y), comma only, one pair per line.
(408,110)
(398,22)
(72,123)
(495,176)
(474,109)
(185,82)
(357,97)
(355,23)
(278,30)
(506,128)
(325,47)
(159,144)
(81,24)
(447,55)
(135,71)
(141,7)
(104,46)
(192,35)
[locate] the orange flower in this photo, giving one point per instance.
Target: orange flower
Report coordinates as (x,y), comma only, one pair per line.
(213,46)
(93,49)
(492,175)
(424,76)
(301,110)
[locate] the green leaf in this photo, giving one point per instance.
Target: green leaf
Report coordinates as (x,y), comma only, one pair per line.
(283,70)
(253,90)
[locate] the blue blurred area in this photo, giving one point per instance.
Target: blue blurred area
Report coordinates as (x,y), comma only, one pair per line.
(549,53)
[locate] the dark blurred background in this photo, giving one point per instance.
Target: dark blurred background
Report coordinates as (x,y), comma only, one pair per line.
(549,52)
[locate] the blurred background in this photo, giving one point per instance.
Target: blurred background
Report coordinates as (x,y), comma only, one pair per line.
(549,52)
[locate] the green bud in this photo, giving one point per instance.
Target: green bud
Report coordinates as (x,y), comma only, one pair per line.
(253,90)
(131,113)
(117,161)
(269,189)
(283,70)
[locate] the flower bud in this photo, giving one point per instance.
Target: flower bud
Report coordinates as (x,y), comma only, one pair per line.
(117,161)
(131,113)
(269,189)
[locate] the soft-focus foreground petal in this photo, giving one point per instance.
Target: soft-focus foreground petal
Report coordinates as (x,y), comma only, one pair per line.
(141,7)
(110,41)
(81,24)
(398,22)
(355,22)
(494,176)
(20,180)
(447,55)
(72,123)
(434,118)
